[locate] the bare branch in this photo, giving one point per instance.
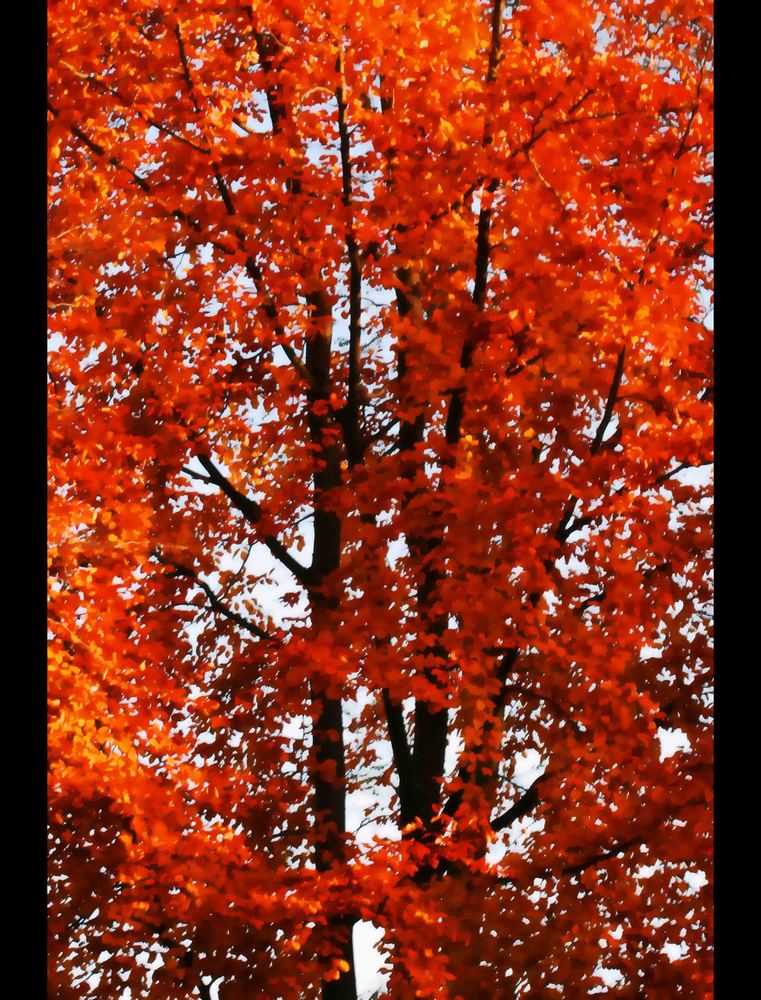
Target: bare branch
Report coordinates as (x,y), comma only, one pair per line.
(610,403)
(254,514)
(195,475)
(402,756)
(215,603)
(351,425)
(596,859)
(526,804)
(186,69)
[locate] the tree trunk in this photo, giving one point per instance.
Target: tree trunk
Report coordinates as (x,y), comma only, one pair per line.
(328,743)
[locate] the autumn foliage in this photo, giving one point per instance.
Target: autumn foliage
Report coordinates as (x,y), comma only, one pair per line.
(379,525)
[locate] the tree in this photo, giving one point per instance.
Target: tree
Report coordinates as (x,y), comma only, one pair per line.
(380,406)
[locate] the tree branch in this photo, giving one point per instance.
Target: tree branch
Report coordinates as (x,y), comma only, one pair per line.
(195,475)
(215,603)
(268,307)
(352,422)
(402,757)
(610,403)
(106,88)
(526,804)
(94,147)
(566,527)
(456,405)
(186,69)
(254,514)
(596,859)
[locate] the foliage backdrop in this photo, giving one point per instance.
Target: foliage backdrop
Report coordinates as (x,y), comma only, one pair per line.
(380,366)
